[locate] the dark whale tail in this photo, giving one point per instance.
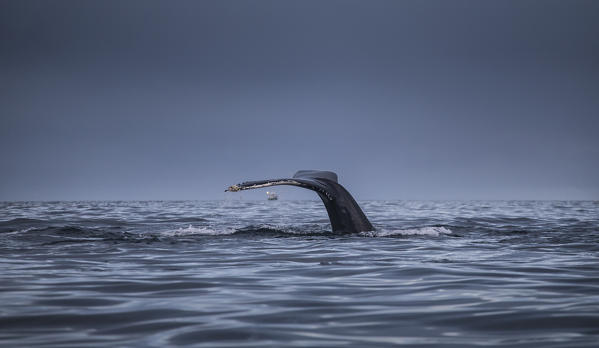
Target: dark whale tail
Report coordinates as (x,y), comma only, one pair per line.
(345,214)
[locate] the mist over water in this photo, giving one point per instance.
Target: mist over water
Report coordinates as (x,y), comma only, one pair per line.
(259,273)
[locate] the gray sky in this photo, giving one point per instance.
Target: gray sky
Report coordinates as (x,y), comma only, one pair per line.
(403,99)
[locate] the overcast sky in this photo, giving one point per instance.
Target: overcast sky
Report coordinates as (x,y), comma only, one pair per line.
(403,99)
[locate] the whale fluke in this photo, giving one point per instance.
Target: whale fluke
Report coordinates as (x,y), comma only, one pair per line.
(344,213)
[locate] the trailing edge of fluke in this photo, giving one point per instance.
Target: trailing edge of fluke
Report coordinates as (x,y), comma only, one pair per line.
(345,214)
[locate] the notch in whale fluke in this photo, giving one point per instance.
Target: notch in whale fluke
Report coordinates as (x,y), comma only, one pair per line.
(344,213)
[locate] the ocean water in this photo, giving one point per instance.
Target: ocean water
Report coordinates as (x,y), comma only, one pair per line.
(270,273)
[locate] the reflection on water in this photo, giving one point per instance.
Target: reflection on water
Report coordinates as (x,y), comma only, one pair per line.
(238,273)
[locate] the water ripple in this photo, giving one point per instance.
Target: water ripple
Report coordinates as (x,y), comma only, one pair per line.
(254,274)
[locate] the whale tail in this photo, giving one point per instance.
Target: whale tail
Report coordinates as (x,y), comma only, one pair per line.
(344,213)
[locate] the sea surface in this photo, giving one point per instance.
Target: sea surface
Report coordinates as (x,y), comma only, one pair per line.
(238,273)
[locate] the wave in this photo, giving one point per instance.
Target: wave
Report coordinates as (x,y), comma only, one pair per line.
(432,231)
(37,230)
(265,230)
(252,230)
(20,224)
(198,230)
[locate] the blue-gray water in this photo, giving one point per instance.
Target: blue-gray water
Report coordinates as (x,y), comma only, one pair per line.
(270,273)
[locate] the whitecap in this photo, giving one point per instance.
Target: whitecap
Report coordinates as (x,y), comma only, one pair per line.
(199,230)
(432,231)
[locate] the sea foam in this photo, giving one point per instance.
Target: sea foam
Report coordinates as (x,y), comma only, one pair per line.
(422,231)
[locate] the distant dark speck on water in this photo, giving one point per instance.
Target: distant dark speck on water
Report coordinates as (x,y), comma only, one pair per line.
(249,273)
